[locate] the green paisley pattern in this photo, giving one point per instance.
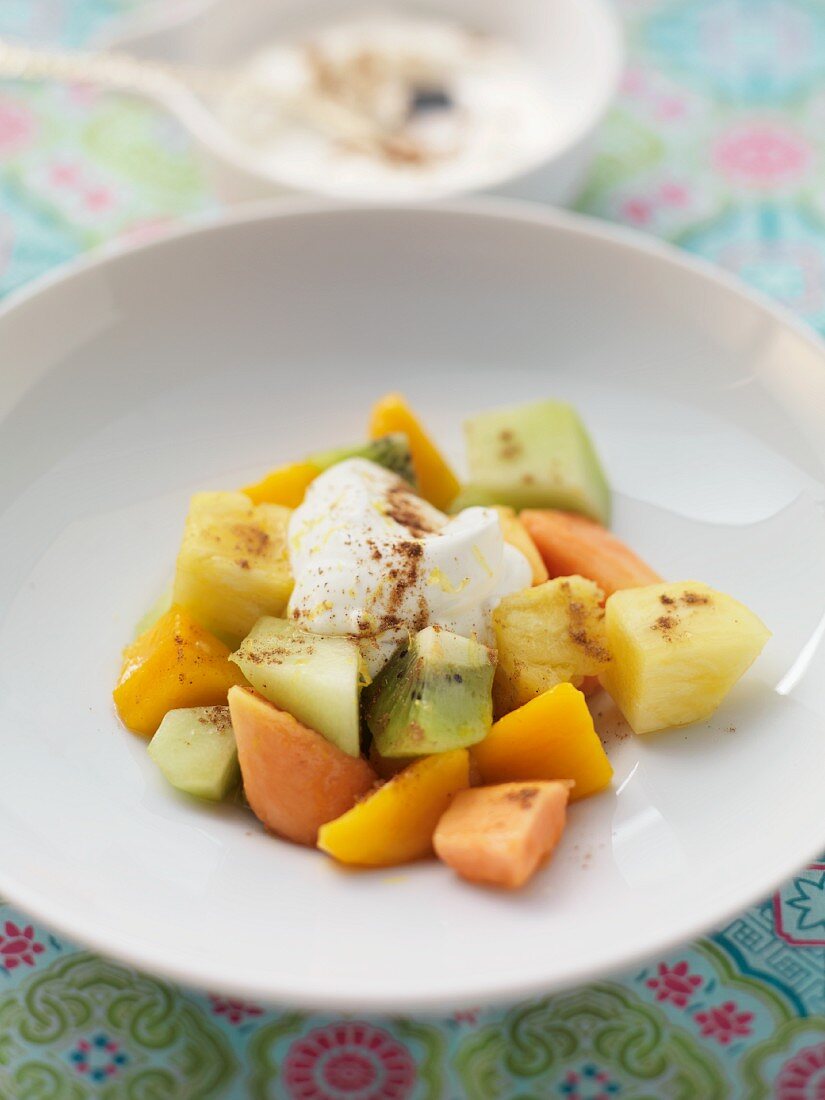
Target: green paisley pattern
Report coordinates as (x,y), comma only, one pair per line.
(264,1053)
(137,144)
(604,1026)
(716,144)
(172,1048)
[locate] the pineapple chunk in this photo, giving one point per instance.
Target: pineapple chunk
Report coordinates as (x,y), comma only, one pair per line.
(677,651)
(233,565)
(547,635)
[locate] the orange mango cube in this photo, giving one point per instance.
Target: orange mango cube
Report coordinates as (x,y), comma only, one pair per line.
(174,664)
(551,737)
(396,823)
(517,535)
(436,481)
(286,485)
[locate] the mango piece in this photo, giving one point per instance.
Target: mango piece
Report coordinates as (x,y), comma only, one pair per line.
(173,665)
(286,485)
(436,481)
(501,835)
(551,737)
(517,535)
(575,544)
(396,823)
(294,779)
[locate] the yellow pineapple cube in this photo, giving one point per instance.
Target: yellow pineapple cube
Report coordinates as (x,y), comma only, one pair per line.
(546,635)
(233,565)
(677,651)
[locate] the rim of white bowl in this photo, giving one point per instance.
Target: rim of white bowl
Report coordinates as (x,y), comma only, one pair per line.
(153,960)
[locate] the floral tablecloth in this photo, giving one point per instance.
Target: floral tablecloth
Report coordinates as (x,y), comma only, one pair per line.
(717,144)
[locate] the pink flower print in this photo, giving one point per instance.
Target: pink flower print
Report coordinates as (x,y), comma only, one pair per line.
(673,194)
(467,1016)
(146,229)
(84,95)
(633,82)
(591,1083)
(235,1011)
(674,984)
(671,107)
(64,175)
(724,1023)
(803,1076)
(16,127)
(761,155)
(637,211)
(98,199)
(18,945)
(97,1058)
(348,1061)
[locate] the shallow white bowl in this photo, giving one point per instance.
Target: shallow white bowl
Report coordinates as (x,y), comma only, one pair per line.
(198,362)
(576,43)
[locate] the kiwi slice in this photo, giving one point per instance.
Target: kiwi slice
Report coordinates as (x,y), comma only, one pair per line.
(433,696)
(534,456)
(391,451)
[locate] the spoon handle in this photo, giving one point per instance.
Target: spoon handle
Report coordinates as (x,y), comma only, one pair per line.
(112,70)
(156,81)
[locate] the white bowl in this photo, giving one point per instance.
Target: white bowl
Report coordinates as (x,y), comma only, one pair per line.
(200,361)
(576,43)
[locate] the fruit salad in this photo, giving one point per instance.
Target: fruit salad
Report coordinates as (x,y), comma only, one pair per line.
(387,663)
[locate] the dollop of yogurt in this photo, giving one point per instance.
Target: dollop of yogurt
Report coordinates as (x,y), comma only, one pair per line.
(373,560)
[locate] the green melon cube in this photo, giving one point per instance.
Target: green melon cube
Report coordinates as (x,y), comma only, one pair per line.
(315,678)
(534,456)
(195,749)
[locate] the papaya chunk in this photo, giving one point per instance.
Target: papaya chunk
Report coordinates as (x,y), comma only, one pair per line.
(294,779)
(501,835)
(575,544)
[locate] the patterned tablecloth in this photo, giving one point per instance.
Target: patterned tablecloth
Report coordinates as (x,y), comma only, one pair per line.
(716,144)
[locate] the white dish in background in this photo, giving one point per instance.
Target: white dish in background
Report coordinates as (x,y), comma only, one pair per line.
(199,361)
(575,46)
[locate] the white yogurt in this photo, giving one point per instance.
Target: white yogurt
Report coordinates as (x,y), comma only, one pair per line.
(373,560)
(500,121)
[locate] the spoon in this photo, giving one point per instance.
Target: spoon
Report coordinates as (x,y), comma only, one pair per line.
(190,93)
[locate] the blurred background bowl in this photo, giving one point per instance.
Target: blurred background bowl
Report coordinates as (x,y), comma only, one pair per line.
(577,44)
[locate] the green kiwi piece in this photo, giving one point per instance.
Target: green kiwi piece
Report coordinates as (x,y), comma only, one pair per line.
(433,696)
(391,451)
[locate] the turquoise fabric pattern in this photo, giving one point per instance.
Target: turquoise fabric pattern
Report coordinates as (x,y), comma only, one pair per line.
(715,144)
